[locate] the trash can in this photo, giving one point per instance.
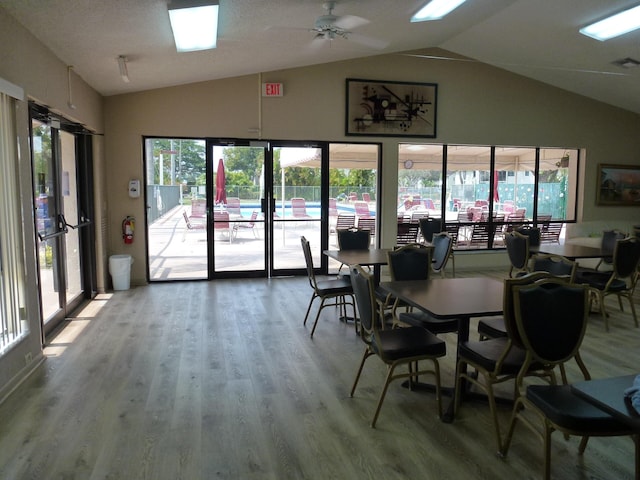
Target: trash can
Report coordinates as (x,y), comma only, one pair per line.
(120,270)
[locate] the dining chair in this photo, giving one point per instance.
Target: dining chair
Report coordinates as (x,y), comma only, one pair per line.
(442,252)
(498,360)
(621,281)
(334,292)
(556,265)
(429,226)
(395,347)
(551,318)
(413,262)
(407,233)
(368,223)
(518,251)
(353,239)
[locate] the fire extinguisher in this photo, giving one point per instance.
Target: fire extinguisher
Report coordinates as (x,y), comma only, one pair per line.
(128,226)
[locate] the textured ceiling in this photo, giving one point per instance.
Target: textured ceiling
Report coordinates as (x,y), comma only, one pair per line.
(535,38)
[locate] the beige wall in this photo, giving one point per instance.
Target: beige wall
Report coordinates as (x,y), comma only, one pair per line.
(27,63)
(476,104)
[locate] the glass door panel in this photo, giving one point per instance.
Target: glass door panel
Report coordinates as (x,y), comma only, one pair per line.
(176,196)
(297,204)
(47,224)
(69,195)
(238,220)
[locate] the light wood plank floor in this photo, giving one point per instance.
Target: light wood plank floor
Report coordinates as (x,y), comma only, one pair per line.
(204,380)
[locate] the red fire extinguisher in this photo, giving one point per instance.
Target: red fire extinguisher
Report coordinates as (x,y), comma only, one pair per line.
(128,226)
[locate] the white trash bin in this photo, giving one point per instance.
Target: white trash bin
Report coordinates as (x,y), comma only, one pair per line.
(120,270)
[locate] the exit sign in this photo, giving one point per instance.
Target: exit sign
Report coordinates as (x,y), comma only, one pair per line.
(272,90)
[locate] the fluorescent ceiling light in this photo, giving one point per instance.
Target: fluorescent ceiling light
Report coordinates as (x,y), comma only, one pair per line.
(124,72)
(618,24)
(436,9)
(194,24)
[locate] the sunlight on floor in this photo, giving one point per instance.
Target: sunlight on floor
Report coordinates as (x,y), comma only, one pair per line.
(75,325)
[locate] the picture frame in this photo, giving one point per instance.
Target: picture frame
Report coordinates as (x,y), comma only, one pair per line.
(618,185)
(390,109)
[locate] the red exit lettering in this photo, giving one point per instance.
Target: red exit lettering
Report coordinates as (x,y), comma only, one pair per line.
(272,90)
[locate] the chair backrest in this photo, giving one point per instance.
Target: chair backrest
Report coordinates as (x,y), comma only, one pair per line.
(608,244)
(407,233)
(409,262)
(554,264)
(442,247)
(550,232)
(345,220)
(252,220)
(354,239)
(517,250)
(428,203)
(298,207)
(429,226)
(532,232)
(333,207)
(453,229)
(508,306)
(187,221)
(551,317)
(369,224)
(626,256)
(480,234)
(233,205)
(417,215)
(198,208)
(308,260)
(221,219)
(363,289)
(366,197)
(362,209)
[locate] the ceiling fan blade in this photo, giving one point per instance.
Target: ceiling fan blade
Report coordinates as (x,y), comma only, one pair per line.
(349,22)
(367,41)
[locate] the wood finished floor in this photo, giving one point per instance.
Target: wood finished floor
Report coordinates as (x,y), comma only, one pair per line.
(220,380)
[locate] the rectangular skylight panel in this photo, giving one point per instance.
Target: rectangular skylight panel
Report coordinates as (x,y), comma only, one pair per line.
(436,9)
(195,28)
(614,26)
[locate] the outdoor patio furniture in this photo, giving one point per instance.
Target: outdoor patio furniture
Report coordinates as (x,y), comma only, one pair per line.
(333,207)
(198,209)
(362,210)
(368,223)
(299,208)
(222,224)
(366,197)
(407,233)
(250,225)
(233,206)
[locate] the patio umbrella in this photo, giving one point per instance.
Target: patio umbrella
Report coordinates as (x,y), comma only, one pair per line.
(221,190)
(496,195)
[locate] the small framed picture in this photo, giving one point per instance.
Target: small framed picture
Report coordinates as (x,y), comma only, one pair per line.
(618,185)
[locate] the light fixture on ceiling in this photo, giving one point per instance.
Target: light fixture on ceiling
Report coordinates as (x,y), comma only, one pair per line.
(124,72)
(436,9)
(627,62)
(615,25)
(564,161)
(194,24)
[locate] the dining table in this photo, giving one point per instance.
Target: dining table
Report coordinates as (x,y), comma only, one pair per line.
(372,257)
(568,250)
(608,395)
(447,298)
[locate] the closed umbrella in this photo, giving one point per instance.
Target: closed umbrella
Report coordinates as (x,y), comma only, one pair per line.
(496,195)
(221,190)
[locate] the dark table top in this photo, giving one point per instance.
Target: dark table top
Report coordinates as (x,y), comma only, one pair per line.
(608,395)
(451,297)
(568,250)
(373,256)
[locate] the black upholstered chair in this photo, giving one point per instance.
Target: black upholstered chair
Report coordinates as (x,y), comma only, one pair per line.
(556,265)
(442,252)
(551,319)
(395,347)
(335,292)
(429,226)
(498,360)
(621,281)
(353,239)
(607,246)
(518,251)
(413,262)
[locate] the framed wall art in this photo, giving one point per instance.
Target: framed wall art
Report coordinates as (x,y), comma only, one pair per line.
(392,109)
(618,185)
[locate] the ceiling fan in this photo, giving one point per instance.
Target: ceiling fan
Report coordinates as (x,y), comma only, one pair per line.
(329,27)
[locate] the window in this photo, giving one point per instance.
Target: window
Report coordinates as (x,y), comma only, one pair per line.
(487,189)
(13,323)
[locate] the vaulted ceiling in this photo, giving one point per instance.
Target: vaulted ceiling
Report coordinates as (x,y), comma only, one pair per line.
(535,38)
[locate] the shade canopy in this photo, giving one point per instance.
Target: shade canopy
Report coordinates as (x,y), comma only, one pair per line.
(426,157)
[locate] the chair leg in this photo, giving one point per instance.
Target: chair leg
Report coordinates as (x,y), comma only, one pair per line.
(315,322)
(547,450)
(494,413)
(313,297)
(387,381)
(504,449)
(633,310)
(367,354)
(583,444)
